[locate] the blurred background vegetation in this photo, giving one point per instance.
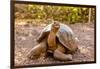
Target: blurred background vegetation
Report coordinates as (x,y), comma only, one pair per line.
(47,13)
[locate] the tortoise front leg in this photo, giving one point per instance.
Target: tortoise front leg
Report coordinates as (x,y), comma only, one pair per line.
(36,51)
(59,54)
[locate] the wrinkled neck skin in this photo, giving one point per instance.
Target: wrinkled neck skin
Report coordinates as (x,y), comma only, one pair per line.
(54,31)
(52,40)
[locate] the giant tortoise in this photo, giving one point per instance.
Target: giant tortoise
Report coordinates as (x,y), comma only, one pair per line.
(58,39)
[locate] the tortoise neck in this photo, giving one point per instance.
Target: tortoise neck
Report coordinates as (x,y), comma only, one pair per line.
(53,31)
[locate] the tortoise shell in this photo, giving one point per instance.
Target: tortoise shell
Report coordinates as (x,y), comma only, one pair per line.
(65,36)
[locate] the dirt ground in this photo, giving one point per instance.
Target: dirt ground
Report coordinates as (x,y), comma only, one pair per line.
(25,40)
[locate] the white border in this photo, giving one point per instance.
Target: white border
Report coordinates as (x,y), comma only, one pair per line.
(5,34)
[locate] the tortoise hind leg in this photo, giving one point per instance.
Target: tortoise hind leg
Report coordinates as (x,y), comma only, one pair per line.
(59,54)
(36,51)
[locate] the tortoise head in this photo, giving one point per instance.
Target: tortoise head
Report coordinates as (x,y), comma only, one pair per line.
(55,26)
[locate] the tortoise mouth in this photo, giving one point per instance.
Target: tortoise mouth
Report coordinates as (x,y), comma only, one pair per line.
(57,26)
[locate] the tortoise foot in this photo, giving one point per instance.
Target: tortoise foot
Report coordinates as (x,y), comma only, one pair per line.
(61,56)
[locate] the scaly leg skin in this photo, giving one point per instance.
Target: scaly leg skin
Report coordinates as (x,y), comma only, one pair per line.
(36,51)
(59,54)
